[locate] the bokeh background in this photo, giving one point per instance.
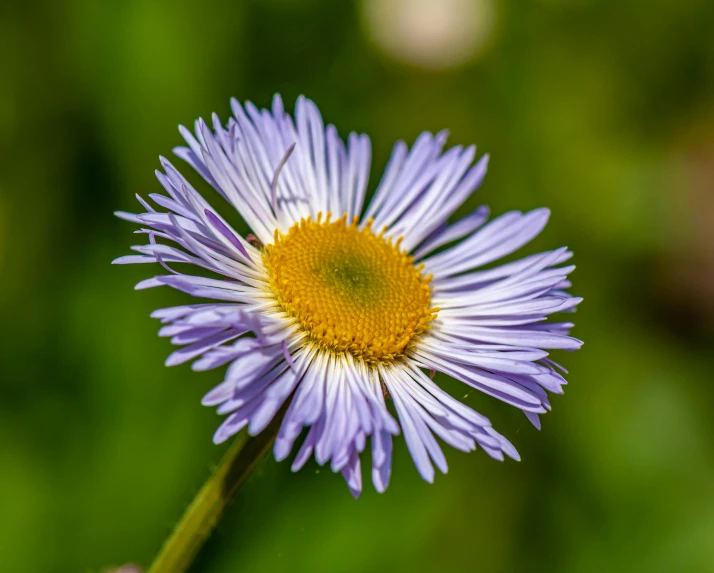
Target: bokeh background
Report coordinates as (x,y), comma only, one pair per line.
(601,110)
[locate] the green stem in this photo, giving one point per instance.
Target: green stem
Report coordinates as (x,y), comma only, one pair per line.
(202,515)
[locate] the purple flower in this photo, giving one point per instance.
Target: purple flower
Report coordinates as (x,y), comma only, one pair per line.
(337,309)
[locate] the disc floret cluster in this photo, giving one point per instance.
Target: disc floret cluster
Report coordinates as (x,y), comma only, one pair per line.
(351,290)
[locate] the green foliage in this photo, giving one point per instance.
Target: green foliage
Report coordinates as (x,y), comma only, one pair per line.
(600,110)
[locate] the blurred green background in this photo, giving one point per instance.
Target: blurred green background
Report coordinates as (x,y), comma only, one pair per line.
(601,110)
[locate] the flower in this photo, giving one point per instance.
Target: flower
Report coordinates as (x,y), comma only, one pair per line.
(332,310)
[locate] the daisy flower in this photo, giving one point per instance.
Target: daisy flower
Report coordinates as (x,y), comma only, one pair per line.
(330,311)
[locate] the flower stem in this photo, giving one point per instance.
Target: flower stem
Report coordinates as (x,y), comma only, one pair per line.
(197,523)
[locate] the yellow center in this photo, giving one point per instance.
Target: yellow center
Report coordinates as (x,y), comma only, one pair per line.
(351,290)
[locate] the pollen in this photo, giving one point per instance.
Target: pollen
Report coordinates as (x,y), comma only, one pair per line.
(350,290)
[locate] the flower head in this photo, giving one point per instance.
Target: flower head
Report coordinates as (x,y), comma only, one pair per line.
(333,311)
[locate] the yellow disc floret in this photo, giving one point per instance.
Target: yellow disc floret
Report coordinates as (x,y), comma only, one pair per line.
(350,289)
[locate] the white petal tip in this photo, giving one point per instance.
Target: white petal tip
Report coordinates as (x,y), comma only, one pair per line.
(219,438)
(281,450)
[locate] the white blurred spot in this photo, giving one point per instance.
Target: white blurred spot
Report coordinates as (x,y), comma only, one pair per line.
(434,34)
